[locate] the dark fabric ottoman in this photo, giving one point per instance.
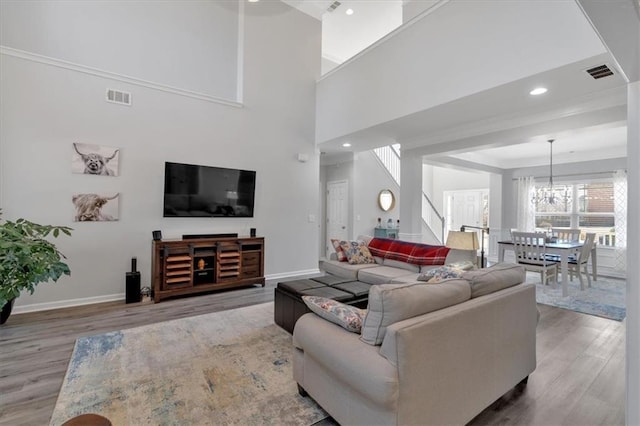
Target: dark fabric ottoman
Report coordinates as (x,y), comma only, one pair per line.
(288,296)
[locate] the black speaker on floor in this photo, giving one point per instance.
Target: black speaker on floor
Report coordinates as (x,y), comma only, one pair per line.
(132,283)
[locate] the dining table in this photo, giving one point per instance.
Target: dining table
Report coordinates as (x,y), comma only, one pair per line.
(562,249)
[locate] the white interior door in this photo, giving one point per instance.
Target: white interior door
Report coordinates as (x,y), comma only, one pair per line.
(337,212)
(464,208)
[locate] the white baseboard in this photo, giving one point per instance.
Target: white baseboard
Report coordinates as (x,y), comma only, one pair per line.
(295,274)
(35,307)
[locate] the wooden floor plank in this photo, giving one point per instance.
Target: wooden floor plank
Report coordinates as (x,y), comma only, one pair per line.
(579,378)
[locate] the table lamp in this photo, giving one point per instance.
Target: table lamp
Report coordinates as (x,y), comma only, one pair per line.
(462,240)
(483,229)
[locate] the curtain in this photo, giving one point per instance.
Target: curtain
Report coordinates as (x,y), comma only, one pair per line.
(526,211)
(620,211)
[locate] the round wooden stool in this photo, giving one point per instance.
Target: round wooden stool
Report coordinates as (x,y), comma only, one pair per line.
(88,420)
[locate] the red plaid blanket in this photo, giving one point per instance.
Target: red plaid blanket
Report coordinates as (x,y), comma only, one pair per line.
(406,251)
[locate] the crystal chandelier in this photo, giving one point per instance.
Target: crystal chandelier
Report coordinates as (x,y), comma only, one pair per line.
(551,195)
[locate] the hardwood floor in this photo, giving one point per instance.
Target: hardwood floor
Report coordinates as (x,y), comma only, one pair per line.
(579,379)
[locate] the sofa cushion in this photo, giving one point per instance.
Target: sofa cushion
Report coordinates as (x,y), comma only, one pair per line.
(357,252)
(346,316)
(406,279)
(344,269)
(440,273)
(408,252)
(389,303)
(402,265)
(494,278)
(381,274)
(340,255)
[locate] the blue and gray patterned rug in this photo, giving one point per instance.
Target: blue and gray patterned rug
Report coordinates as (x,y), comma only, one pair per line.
(225,368)
(605,298)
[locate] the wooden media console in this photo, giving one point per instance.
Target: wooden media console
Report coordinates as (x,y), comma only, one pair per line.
(190,266)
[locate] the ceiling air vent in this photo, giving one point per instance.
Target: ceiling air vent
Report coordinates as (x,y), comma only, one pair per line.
(333,6)
(118,97)
(600,71)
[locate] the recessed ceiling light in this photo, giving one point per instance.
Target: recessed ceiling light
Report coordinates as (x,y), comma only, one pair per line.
(349,12)
(538,91)
(254,1)
(346,144)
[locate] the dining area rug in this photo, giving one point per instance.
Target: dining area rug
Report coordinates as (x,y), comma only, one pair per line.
(225,368)
(605,298)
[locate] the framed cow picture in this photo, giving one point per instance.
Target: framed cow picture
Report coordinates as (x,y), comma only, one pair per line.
(95,207)
(95,160)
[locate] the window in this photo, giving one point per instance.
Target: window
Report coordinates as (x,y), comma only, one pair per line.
(588,206)
(596,212)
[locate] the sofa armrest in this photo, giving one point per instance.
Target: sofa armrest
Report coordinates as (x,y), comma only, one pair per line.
(454,362)
(344,356)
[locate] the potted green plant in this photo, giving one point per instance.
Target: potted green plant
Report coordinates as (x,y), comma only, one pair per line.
(27,258)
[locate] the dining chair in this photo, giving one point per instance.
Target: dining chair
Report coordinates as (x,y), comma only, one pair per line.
(530,249)
(566,234)
(576,263)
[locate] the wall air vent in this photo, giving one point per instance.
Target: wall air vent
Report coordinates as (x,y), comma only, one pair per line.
(600,71)
(118,97)
(333,6)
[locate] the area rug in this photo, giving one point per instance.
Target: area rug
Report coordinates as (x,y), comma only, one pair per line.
(225,368)
(605,298)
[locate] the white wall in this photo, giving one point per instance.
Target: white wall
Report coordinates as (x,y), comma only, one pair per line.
(340,169)
(448,179)
(344,36)
(366,178)
(370,178)
(412,8)
(408,81)
(190,45)
(47,107)
(436,180)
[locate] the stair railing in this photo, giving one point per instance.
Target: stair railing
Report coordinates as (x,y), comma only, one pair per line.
(431,210)
(389,156)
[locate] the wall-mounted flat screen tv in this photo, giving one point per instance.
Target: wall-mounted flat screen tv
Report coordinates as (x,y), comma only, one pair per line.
(205,191)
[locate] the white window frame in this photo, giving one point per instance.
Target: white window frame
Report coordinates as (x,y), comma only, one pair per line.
(574,215)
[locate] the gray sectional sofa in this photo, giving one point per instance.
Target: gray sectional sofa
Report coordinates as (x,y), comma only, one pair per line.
(427,354)
(388,270)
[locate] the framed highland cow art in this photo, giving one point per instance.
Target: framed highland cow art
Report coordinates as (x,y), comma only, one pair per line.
(97,160)
(95,207)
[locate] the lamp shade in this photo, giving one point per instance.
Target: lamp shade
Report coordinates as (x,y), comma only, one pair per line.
(462,240)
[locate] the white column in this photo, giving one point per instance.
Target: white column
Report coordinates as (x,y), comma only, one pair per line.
(410,198)
(495,215)
(633,254)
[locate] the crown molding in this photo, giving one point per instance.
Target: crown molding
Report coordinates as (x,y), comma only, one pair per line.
(34,57)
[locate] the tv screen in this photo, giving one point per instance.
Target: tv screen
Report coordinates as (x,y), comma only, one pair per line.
(204,191)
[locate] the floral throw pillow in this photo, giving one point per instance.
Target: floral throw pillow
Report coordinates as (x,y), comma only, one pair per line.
(435,275)
(347,316)
(342,257)
(357,252)
(463,265)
